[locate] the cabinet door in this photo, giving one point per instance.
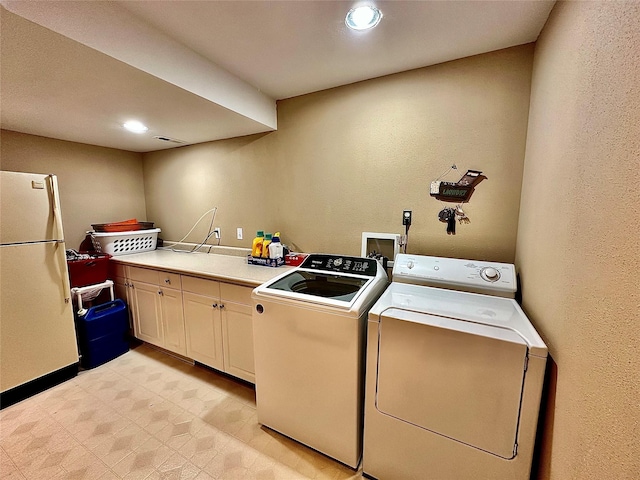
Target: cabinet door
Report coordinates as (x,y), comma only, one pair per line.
(120,288)
(203,329)
(123,292)
(131,301)
(238,340)
(173,320)
(147,313)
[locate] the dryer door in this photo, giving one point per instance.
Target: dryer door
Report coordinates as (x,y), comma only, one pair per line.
(458,379)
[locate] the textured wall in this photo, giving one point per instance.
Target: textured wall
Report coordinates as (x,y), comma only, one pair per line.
(350,159)
(235,175)
(578,236)
(97,184)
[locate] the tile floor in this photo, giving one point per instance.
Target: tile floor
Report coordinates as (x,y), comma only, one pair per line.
(148,415)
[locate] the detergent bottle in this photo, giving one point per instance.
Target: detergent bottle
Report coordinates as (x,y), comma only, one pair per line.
(276,249)
(265,245)
(256,248)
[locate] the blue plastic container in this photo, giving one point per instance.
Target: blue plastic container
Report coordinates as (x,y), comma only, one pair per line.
(103,333)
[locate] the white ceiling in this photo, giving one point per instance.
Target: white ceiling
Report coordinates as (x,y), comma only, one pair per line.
(204,70)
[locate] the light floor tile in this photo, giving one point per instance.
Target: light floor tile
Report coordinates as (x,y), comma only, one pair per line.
(148,415)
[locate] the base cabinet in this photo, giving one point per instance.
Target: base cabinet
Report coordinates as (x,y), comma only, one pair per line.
(237,328)
(172,320)
(147,319)
(123,288)
(218,325)
(205,320)
(157,309)
(203,329)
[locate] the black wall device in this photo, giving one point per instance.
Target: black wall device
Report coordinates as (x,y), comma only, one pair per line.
(406,217)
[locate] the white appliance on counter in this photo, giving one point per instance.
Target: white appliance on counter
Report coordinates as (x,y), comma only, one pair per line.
(454,379)
(37,333)
(309,333)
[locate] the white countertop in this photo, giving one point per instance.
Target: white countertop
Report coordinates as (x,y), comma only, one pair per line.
(228,268)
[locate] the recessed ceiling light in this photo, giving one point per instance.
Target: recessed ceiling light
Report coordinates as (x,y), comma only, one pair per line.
(363,18)
(135,126)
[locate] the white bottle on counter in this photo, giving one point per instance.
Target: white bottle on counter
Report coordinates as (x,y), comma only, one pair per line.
(276,250)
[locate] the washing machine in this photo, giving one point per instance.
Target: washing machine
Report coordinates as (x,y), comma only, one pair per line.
(454,374)
(309,329)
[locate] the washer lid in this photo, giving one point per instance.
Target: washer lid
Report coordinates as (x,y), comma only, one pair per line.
(340,291)
(321,284)
(504,313)
(344,284)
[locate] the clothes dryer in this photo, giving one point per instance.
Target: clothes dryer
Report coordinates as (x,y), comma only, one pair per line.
(454,378)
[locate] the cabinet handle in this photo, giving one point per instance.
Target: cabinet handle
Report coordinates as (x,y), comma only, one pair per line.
(159,292)
(221,305)
(167,281)
(215,305)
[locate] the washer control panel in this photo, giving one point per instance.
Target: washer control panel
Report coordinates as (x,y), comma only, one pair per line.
(342,264)
(490,278)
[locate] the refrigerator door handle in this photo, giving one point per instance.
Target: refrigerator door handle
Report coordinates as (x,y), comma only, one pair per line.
(55,201)
(66,284)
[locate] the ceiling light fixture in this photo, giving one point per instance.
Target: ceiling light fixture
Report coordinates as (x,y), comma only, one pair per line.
(135,126)
(363,17)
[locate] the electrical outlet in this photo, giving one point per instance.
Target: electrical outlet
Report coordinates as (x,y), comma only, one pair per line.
(239,233)
(216,232)
(406,217)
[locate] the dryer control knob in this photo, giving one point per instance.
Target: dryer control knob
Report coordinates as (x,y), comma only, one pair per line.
(490,274)
(410,264)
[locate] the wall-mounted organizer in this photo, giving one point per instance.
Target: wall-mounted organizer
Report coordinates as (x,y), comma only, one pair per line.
(460,191)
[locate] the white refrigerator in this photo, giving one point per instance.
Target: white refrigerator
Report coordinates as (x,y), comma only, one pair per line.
(37,333)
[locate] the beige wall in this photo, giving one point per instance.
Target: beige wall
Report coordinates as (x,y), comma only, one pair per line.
(234,175)
(578,236)
(351,159)
(97,184)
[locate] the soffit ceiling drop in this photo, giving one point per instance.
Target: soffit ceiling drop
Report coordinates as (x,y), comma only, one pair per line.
(201,71)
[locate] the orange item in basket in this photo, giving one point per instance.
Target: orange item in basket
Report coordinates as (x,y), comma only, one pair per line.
(124,222)
(124,226)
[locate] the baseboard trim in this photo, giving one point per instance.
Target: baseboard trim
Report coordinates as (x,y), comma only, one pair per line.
(29,389)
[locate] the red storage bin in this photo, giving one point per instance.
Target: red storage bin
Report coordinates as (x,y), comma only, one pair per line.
(90,271)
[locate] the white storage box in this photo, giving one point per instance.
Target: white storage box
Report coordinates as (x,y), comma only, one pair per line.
(123,243)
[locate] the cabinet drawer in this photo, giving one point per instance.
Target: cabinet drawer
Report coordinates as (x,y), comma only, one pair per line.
(171,280)
(155,277)
(236,293)
(210,288)
(143,275)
